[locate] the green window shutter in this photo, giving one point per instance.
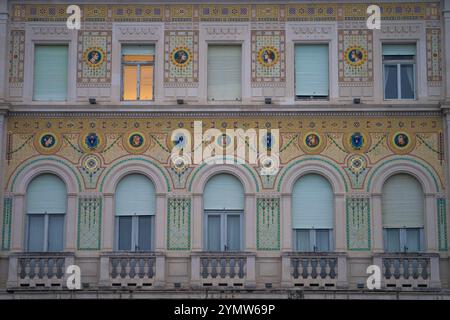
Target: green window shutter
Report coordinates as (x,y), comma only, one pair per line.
(46,194)
(224,72)
(50,72)
(224,192)
(312,203)
(399,49)
(311,70)
(402,202)
(138,49)
(135,195)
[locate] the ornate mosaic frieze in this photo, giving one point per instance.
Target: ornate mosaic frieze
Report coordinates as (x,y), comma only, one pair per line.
(181,58)
(137,13)
(6,225)
(224,13)
(178,223)
(16,57)
(442,224)
(434,57)
(358,222)
(94,58)
(268,223)
(355,52)
(268,57)
(89,222)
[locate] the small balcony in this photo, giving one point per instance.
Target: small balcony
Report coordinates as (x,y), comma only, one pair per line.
(139,270)
(38,270)
(314,270)
(408,270)
(233,270)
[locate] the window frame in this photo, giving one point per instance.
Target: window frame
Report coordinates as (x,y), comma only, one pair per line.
(138,65)
(46,231)
(313,240)
(223,228)
(134,233)
(403,240)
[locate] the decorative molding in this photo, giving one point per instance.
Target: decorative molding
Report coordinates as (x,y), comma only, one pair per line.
(50,30)
(7,220)
(138,30)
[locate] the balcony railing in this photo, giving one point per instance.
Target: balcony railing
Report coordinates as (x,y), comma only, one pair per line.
(39,270)
(132,270)
(408,270)
(314,270)
(223,269)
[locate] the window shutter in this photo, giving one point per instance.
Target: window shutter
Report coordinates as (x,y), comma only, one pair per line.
(50,72)
(311,70)
(224,192)
(312,203)
(402,202)
(224,72)
(135,195)
(138,49)
(399,49)
(46,194)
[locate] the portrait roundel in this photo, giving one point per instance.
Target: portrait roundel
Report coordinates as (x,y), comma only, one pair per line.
(312,142)
(135,142)
(355,56)
(94,57)
(181,56)
(268,56)
(401,142)
(47,142)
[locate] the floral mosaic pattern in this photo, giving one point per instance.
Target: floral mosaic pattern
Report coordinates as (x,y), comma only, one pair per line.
(268,224)
(434,57)
(179,223)
(89,223)
(358,223)
(17,51)
(442,224)
(6,227)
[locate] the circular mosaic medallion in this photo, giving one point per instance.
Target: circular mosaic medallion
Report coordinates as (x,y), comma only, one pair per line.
(135,142)
(268,56)
(179,140)
(355,56)
(401,142)
(312,142)
(94,57)
(269,165)
(47,142)
(92,142)
(225,141)
(180,163)
(181,56)
(357,164)
(357,141)
(268,141)
(91,164)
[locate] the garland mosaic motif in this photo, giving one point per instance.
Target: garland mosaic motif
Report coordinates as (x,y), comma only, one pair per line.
(179,224)
(355,57)
(434,57)
(268,56)
(442,224)
(181,58)
(268,224)
(6,227)
(358,223)
(94,58)
(17,51)
(89,223)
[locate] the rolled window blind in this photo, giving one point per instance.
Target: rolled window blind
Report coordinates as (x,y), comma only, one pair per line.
(135,195)
(399,49)
(223,191)
(46,194)
(138,49)
(402,202)
(311,70)
(224,72)
(312,203)
(50,72)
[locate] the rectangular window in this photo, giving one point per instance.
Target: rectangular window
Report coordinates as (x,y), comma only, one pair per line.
(135,233)
(311,71)
(50,73)
(224,72)
(45,232)
(224,231)
(138,72)
(313,240)
(399,71)
(403,239)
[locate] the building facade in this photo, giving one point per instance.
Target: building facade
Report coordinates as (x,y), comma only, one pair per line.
(358,116)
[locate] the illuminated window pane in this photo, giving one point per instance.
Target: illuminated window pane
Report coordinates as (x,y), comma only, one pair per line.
(138,58)
(146,83)
(129,82)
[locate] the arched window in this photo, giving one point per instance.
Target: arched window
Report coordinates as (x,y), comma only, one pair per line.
(223,202)
(46,209)
(135,213)
(403,214)
(312,214)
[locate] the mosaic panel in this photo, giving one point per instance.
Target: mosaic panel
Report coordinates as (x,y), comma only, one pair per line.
(89,223)
(434,57)
(94,58)
(311,12)
(268,57)
(268,224)
(231,13)
(181,13)
(181,58)
(442,224)
(137,13)
(268,13)
(179,223)
(6,227)
(355,52)
(358,222)
(16,56)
